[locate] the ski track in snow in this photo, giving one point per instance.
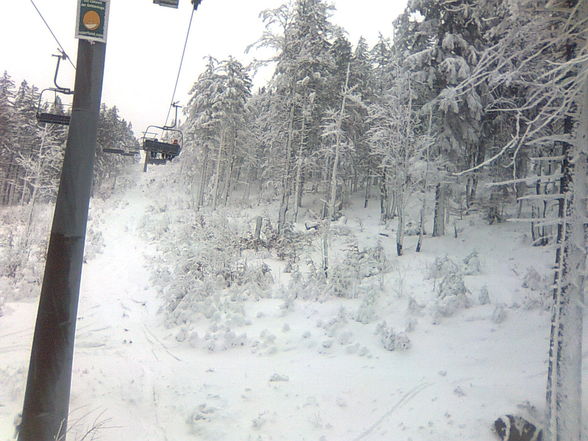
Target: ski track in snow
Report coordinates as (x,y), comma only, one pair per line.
(403,400)
(134,379)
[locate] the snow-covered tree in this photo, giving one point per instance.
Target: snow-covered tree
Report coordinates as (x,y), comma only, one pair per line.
(301,87)
(216,118)
(541,52)
(395,139)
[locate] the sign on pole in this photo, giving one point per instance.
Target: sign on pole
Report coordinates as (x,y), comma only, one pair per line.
(167,3)
(92,21)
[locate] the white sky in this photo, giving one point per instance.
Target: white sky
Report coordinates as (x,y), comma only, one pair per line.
(145,43)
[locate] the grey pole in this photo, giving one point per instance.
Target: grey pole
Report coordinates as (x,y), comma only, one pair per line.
(46,401)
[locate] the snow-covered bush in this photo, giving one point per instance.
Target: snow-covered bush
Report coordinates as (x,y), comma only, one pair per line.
(499,314)
(366,313)
(94,243)
(414,307)
(343,280)
(392,340)
(347,277)
(22,252)
(471,264)
(441,267)
(306,283)
(537,293)
(452,295)
(533,280)
(484,296)
(11,256)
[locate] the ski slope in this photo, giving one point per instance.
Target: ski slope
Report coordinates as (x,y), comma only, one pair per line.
(304,370)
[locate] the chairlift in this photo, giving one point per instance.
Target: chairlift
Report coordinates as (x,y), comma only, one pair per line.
(121,152)
(48,117)
(160,152)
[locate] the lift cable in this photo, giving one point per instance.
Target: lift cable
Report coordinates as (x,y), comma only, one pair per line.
(50,30)
(180,68)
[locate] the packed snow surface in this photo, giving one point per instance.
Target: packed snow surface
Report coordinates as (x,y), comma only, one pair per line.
(415,355)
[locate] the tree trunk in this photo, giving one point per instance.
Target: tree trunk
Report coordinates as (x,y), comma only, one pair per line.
(285,181)
(367,190)
(439,217)
(203,179)
(564,379)
(383,194)
(400,229)
(339,123)
(229,172)
(421,225)
(299,163)
(215,188)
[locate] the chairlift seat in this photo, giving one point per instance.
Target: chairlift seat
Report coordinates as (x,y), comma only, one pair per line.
(156,161)
(153,145)
(115,151)
(51,118)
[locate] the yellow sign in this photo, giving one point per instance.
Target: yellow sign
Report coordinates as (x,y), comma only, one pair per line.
(91,20)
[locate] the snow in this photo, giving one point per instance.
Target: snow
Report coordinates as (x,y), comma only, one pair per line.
(294,369)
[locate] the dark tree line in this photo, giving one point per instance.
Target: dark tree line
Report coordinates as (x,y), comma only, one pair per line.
(31,153)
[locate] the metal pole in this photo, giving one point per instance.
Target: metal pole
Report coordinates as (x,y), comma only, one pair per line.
(46,401)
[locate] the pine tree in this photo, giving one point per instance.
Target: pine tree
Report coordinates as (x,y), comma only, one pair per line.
(543,56)
(7,127)
(301,88)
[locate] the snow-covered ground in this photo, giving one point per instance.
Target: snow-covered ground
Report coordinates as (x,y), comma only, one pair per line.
(293,369)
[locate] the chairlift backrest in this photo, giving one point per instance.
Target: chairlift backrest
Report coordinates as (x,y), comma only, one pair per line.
(152,144)
(48,117)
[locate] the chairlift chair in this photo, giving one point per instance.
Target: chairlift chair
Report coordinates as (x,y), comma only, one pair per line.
(120,152)
(160,152)
(48,117)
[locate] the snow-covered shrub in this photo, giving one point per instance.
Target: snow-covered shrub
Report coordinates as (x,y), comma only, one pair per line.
(333,326)
(414,307)
(366,313)
(94,243)
(471,264)
(537,294)
(306,283)
(202,414)
(391,340)
(484,296)
(452,295)
(411,324)
(223,340)
(499,314)
(441,267)
(533,280)
(343,278)
(22,254)
(12,381)
(347,277)
(373,261)
(11,255)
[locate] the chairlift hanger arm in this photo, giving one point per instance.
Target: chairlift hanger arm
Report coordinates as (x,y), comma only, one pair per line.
(65,90)
(173,126)
(165,129)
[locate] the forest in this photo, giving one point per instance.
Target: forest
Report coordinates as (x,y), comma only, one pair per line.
(31,153)
(463,108)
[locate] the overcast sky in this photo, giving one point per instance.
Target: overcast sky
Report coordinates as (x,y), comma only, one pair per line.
(145,43)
